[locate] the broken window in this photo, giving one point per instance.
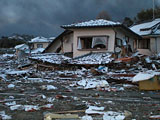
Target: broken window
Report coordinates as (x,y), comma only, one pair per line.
(144,44)
(39,45)
(98,42)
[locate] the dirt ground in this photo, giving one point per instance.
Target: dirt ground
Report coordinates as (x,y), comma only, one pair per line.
(142,104)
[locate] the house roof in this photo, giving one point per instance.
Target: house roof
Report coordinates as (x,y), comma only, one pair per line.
(92,58)
(57,38)
(40,40)
(100,23)
(147,28)
(92,23)
(53,58)
(21,47)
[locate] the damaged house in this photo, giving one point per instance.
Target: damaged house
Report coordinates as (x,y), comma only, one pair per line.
(95,36)
(38,44)
(150,32)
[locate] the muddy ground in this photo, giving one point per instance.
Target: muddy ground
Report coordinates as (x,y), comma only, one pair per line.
(142,104)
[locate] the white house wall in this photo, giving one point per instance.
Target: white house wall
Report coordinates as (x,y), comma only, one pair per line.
(121,34)
(93,32)
(68,43)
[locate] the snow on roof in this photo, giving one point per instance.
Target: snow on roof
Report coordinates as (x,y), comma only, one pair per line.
(142,76)
(40,39)
(53,58)
(93,23)
(93,58)
(145,28)
(22,47)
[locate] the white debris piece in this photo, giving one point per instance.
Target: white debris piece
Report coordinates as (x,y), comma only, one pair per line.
(11,86)
(30,107)
(155,117)
(110,115)
(51,87)
(142,76)
(16,107)
(50,99)
(86,118)
(82,83)
(47,106)
(4,116)
(17,72)
(148,60)
(8,55)
(10,103)
(48,87)
(94,110)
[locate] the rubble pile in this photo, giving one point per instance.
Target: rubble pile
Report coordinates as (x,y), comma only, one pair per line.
(104,91)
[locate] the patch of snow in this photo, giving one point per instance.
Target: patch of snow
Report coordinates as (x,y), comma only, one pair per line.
(93,83)
(110,115)
(11,86)
(17,72)
(86,118)
(8,55)
(50,99)
(4,116)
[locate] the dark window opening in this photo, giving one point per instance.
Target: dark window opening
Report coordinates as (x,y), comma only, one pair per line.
(99,42)
(144,44)
(39,45)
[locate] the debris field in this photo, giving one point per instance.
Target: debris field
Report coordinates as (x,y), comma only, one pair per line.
(37,89)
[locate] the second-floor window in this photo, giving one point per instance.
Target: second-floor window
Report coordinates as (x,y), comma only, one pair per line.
(92,42)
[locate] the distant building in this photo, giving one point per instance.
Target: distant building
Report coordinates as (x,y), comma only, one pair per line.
(22,51)
(38,44)
(150,33)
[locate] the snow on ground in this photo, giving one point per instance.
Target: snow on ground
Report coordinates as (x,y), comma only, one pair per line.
(110,115)
(4,116)
(92,83)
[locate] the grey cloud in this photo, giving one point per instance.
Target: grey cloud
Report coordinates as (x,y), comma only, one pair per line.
(44,17)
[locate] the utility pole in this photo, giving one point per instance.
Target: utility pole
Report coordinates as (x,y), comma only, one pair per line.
(153,9)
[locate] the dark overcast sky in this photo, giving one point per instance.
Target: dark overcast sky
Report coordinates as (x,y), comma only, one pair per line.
(44,17)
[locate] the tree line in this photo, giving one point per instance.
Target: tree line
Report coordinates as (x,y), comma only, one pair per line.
(142,16)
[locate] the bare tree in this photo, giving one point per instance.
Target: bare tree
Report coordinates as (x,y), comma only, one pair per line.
(103,15)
